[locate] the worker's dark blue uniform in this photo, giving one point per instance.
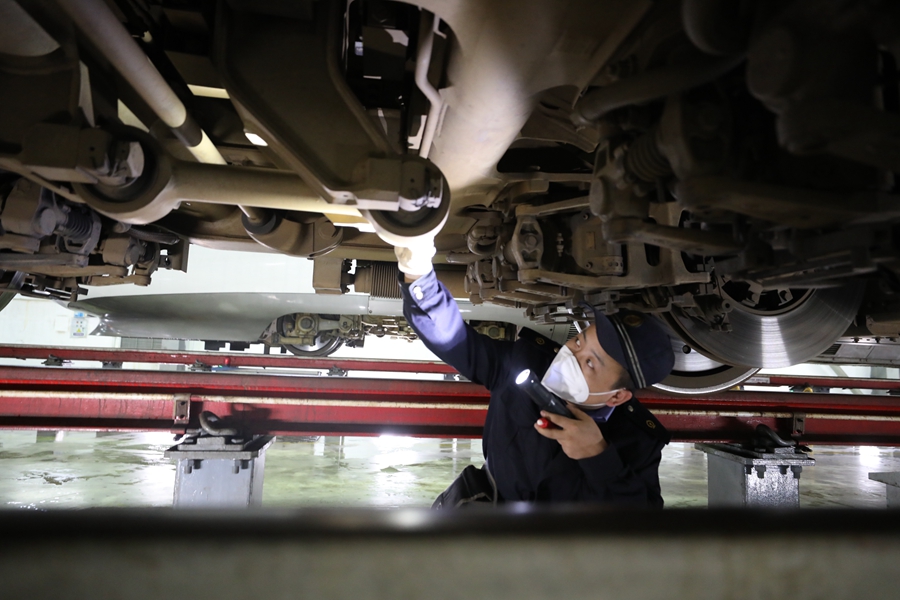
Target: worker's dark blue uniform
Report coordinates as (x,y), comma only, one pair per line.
(525,465)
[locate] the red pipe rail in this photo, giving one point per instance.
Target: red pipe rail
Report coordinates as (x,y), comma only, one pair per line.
(212,360)
(235,360)
(32,397)
(113,399)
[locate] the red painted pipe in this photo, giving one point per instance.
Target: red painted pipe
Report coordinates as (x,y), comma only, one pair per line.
(53,398)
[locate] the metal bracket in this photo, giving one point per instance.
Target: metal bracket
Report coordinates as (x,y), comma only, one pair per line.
(742,477)
(798,424)
(182,409)
(53,361)
(323,131)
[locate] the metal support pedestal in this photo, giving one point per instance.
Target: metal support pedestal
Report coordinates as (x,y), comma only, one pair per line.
(739,477)
(220,471)
(892,485)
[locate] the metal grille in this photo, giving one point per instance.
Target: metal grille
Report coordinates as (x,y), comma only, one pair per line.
(832,350)
(384,280)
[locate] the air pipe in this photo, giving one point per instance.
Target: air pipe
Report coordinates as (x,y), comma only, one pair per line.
(429,25)
(264,189)
(651,85)
(97,23)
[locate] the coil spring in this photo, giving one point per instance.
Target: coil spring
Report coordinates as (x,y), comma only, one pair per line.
(644,160)
(77,227)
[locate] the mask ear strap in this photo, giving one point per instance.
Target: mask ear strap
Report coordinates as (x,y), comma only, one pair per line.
(604,393)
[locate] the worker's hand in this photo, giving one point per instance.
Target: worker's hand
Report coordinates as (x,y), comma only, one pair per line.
(415,260)
(579,437)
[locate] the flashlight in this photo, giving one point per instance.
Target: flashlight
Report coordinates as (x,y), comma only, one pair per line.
(544,398)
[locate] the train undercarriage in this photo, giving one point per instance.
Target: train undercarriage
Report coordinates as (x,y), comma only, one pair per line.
(726,166)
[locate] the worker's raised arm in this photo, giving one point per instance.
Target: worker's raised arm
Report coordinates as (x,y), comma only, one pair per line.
(433,313)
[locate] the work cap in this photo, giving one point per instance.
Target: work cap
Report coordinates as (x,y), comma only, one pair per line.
(638,342)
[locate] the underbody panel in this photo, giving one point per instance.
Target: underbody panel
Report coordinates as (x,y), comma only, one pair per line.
(727,167)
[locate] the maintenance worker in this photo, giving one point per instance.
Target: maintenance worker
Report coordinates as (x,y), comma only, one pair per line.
(609,454)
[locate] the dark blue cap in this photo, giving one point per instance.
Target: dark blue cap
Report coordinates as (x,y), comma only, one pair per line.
(638,342)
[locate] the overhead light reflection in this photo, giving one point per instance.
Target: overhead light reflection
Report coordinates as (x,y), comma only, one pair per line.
(410,518)
(869,456)
(255,139)
(772,342)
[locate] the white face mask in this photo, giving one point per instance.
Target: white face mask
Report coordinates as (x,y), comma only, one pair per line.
(565,379)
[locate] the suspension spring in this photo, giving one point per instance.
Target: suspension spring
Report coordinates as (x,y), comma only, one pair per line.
(644,160)
(77,227)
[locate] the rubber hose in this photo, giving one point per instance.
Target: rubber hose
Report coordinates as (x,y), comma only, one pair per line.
(651,85)
(209,422)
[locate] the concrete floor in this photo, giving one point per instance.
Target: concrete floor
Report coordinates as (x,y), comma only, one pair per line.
(81,469)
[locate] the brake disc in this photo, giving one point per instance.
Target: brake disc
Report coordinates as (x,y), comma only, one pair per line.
(695,373)
(776,336)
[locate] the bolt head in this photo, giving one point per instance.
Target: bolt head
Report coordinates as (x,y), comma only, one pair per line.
(326,229)
(133,253)
(45,222)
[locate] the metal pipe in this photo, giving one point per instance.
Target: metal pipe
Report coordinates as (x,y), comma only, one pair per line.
(752,414)
(716,27)
(430,24)
(417,405)
(21,35)
(214,359)
(87,397)
(651,85)
(247,188)
(99,25)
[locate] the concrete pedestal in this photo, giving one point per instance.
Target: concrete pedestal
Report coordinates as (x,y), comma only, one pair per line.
(891,482)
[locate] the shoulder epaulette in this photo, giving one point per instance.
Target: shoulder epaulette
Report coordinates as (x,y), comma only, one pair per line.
(533,337)
(645,420)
